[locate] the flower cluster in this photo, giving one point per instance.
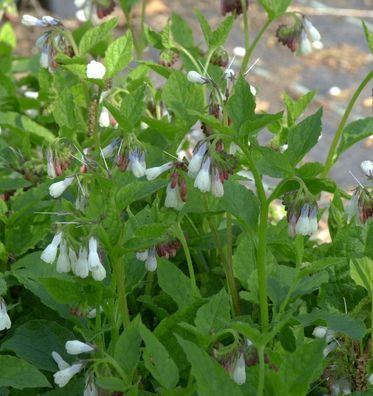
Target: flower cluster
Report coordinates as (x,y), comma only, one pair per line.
(5,322)
(329,335)
(299,36)
(360,204)
(302,212)
(51,42)
(165,249)
(57,163)
(93,10)
(68,260)
(232,6)
(65,370)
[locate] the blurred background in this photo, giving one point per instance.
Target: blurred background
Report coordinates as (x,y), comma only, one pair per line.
(334,69)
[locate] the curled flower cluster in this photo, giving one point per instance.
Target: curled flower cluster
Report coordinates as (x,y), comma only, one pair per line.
(51,42)
(299,36)
(301,213)
(56,164)
(232,6)
(93,10)
(68,260)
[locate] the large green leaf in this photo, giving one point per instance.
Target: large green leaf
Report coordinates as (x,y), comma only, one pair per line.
(354,132)
(175,283)
(361,270)
(19,374)
(369,36)
(118,55)
(93,36)
(158,361)
(274,163)
(303,136)
(34,341)
(275,8)
(211,378)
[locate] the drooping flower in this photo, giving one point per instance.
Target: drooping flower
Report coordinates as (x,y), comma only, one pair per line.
(73,260)
(93,258)
(150,258)
(367,168)
(50,164)
(104,119)
(195,77)
(203,178)
(45,21)
(63,261)
(238,371)
(136,162)
(50,252)
(305,45)
(75,347)
(307,221)
(96,70)
(217,188)
(142,256)
(81,268)
(59,361)
(311,31)
(90,388)
(99,273)
(62,377)
(5,322)
(196,161)
(153,173)
(58,188)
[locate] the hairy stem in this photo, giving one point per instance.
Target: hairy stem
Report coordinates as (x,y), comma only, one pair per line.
(118,272)
(333,147)
(261,371)
(229,267)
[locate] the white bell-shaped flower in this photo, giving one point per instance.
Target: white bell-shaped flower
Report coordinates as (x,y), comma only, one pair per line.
(99,273)
(217,188)
(312,32)
(75,347)
(104,119)
(93,258)
(239,370)
(62,377)
(63,261)
(5,322)
(203,178)
(370,379)
(58,188)
(50,252)
(142,256)
(81,268)
(305,46)
(196,78)
(96,70)
(29,20)
(73,260)
(137,163)
(153,173)
(59,361)
(173,198)
(90,387)
(367,168)
(151,260)
(196,161)
(229,74)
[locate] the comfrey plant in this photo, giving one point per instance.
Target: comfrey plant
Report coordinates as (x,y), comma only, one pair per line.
(153,239)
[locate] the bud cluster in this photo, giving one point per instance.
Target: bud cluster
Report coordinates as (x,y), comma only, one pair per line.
(80,264)
(232,6)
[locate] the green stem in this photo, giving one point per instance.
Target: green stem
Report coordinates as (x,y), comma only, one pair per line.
(229,267)
(333,147)
(249,50)
(109,359)
(149,283)
(261,248)
(118,272)
(142,29)
(190,56)
(261,371)
(246,28)
(371,326)
(180,235)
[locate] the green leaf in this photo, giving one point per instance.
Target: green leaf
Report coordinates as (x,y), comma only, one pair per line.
(118,55)
(7,35)
(127,5)
(34,341)
(369,36)
(181,31)
(93,36)
(213,316)
(24,124)
(257,122)
(19,374)
(274,163)
(361,270)
(211,378)
(303,137)
(295,108)
(132,108)
(175,283)
(220,35)
(158,361)
(180,95)
(241,203)
(13,182)
(127,348)
(113,384)
(275,8)
(354,132)
(205,27)
(244,259)
(241,105)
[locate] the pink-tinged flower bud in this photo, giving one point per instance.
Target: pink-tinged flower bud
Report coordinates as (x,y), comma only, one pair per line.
(5,322)
(196,78)
(153,173)
(62,377)
(59,361)
(81,268)
(367,168)
(63,261)
(183,190)
(196,161)
(203,178)
(50,252)
(75,347)
(96,70)
(58,188)
(312,32)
